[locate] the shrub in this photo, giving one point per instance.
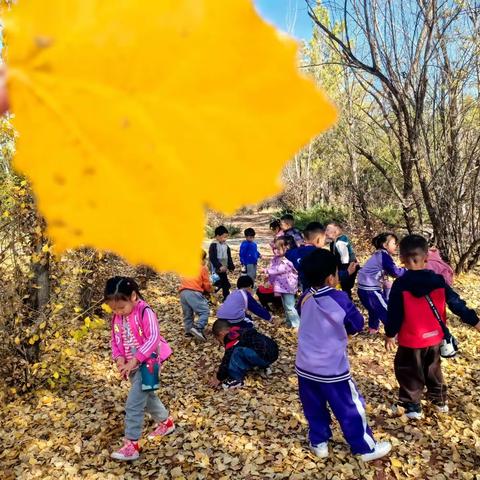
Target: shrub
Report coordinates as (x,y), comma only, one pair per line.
(318,213)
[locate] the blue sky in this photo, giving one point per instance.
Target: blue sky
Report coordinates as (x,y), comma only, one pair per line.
(289,15)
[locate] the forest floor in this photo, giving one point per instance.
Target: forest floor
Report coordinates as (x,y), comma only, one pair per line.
(257,432)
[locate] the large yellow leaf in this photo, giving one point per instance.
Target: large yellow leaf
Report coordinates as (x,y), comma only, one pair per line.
(134,116)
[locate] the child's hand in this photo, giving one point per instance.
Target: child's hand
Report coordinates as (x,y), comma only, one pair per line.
(352,267)
(222,269)
(477,326)
(390,344)
(120,361)
(214,382)
(129,367)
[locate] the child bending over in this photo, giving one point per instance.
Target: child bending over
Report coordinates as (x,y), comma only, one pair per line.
(327,318)
(372,279)
(238,308)
(193,302)
(244,350)
(416,308)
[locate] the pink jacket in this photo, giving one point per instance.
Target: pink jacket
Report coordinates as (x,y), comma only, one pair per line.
(282,275)
(144,326)
(438,265)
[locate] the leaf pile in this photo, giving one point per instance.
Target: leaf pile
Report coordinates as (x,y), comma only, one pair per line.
(258,432)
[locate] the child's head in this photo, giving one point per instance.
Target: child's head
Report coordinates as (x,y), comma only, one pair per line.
(314,234)
(249,234)
(245,281)
(287,221)
(414,252)
(121,294)
(204,257)
(387,241)
(333,230)
(284,243)
(275,226)
(220,328)
(320,268)
(221,234)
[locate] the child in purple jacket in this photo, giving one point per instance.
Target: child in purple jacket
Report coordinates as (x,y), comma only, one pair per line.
(328,316)
(283,277)
(372,279)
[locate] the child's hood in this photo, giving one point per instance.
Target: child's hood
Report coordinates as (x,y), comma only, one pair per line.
(422,282)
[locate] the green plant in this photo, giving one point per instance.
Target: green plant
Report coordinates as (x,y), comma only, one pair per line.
(318,213)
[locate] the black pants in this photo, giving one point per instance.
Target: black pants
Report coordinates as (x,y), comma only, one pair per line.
(348,282)
(223,284)
(267,299)
(417,368)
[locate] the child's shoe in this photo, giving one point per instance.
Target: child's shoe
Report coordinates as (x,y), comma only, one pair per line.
(198,334)
(320,450)
(129,451)
(442,408)
(231,384)
(381,449)
(162,429)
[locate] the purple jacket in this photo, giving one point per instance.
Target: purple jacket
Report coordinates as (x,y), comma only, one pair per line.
(282,275)
(328,316)
(235,306)
(372,275)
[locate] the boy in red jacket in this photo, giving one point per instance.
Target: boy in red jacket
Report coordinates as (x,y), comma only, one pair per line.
(417,362)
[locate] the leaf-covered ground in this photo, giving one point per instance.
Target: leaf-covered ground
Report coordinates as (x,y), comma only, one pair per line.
(256,432)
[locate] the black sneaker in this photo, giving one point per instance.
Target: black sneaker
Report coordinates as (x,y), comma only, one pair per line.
(230,384)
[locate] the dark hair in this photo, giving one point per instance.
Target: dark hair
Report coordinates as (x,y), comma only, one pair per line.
(312,229)
(319,265)
(204,254)
(249,232)
(120,288)
(411,245)
(288,240)
(221,230)
(244,282)
(275,225)
(381,238)
(287,217)
(219,326)
(336,223)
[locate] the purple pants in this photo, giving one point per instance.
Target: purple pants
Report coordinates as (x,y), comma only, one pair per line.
(346,404)
(376,304)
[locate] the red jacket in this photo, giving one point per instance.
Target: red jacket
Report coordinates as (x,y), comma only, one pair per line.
(410,315)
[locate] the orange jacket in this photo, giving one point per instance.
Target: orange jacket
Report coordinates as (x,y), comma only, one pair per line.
(199,284)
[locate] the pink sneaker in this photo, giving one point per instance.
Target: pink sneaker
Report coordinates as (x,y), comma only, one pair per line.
(129,451)
(162,429)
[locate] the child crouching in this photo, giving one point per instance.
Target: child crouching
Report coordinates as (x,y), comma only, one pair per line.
(328,316)
(245,349)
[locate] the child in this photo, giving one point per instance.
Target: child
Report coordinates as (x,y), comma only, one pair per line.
(287,224)
(240,304)
(327,318)
(249,253)
(221,260)
(418,298)
(244,350)
(436,263)
(341,247)
(135,339)
(268,300)
(276,230)
(193,302)
(314,238)
(371,279)
(284,279)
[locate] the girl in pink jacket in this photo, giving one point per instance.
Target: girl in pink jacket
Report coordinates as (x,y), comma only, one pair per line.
(136,342)
(283,277)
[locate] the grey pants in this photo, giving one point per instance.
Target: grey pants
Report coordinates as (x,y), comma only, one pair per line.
(252,271)
(139,402)
(194,303)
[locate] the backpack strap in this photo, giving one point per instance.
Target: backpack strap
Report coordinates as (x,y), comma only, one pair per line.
(445,330)
(245,298)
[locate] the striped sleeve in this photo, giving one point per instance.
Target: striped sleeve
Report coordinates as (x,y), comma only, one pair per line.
(151,335)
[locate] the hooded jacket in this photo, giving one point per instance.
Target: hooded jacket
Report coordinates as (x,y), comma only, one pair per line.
(436,263)
(410,315)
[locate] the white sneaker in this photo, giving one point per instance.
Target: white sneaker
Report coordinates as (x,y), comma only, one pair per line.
(381,449)
(414,415)
(198,334)
(442,408)
(320,450)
